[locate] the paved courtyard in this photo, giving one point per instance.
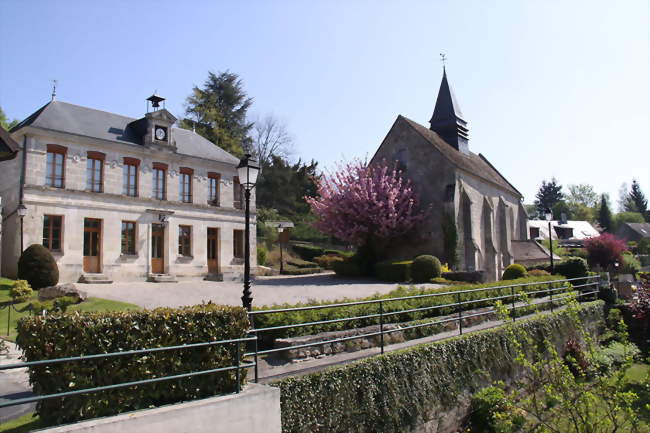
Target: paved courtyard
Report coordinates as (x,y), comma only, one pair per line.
(266,290)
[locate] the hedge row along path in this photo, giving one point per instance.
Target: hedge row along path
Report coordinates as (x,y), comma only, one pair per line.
(273,369)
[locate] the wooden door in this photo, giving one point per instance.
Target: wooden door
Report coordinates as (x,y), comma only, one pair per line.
(92,245)
(213,250)
(157,249)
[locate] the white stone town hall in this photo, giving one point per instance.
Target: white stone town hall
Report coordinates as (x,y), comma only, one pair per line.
(117,198)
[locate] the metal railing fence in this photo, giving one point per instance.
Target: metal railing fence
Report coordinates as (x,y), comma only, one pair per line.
(585,286)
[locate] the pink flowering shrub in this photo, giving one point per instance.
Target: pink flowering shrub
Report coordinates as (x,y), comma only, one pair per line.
(362,204)
(605,250)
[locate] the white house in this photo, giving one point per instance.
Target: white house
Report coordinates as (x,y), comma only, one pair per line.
(538,229)
(117,198)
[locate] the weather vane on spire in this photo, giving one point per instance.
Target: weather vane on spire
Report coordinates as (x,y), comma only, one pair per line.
(443,59)
(54,89)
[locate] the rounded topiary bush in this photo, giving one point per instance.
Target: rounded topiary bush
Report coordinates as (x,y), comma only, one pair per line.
(37,266)
(572,267)
(513,272)
(424,268)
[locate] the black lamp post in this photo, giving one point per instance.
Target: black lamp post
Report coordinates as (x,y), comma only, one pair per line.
(549,217)
(22,212)
(247,170)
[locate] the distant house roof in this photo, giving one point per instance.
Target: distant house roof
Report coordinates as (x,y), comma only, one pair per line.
(581,229)
(472,163)
(8,146)
(87,122)
(529,251)
(642,229)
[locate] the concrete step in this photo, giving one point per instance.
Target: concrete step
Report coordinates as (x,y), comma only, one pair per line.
(94,279)
(162,278)
(232,276)
(214,277)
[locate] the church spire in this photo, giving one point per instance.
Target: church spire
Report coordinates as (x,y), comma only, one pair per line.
(447,120)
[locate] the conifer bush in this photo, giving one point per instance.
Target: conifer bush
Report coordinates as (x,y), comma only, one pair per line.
(38,267)
(424,268)
(513,272)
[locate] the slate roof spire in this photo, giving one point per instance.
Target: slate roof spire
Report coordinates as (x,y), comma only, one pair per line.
(447,120)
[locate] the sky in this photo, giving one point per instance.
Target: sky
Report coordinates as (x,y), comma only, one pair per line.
(549,88)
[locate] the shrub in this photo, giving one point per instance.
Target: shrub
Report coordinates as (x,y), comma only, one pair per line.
(60,335)
(20,291)
(538,273)
(513,272)
(400,390)
(494,412)
(424,268)
(347,268)
(262,254)
(295,270)
(298,263)
(393,271)
(307,252)
(572,267)
(604,250)
(630,265)
(326,261)
(37,266)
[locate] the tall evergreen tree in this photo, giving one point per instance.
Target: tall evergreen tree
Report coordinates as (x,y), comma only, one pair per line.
(605,214)
(217,111)
(637,198)
(549,194)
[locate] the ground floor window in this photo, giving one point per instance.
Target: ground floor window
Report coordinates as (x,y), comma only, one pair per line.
(52,232)
(128,237)
(238,244)
(185,240)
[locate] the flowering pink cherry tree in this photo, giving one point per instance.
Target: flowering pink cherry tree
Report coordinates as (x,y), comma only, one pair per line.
(363,204)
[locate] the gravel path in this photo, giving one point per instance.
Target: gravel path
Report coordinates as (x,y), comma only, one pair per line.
(266,290)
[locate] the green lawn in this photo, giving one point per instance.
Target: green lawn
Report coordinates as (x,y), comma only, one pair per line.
(25,423)
(22,309)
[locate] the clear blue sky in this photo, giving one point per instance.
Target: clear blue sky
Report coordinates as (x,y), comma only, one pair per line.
(550,88)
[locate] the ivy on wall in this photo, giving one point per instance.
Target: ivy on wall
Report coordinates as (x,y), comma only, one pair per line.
(397,391)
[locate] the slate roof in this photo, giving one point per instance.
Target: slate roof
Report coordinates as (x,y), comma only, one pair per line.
(527,251)
(478,165)
(87,122)
(8,146)
(643,229)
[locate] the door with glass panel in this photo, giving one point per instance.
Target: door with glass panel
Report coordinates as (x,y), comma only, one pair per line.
(157,248)
(92,245)
(213,250)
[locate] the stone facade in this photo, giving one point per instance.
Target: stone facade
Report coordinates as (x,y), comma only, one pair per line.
(75,204)
(455,183)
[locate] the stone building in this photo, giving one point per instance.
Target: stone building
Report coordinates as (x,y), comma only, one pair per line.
(117,198)
(465,192)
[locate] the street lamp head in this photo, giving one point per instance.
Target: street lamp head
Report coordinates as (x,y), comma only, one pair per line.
(247,170)
(22,210)
(548,215)
(280,229)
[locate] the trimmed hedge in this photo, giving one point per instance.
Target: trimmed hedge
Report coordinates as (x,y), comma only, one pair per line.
(347,268)
(513,272)
(572,267)
(38,267)
(301,263)
(75,334)
(398,391)
(304,316)
(424,268)
(327,261)
(394,271)
(307,252)
(294,270)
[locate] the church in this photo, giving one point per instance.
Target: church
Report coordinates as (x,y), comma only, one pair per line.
(475,214)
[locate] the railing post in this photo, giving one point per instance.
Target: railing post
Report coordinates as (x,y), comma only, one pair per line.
(551,292)
(8,318)
(252,321)
(514,311)
(237,372)
(460,314)
(381,325)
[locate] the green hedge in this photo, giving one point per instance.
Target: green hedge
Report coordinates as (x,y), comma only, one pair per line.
(307,252)
(73,334)
(277,319)
(294,270)
(347,268)
(397,391)
(394,271)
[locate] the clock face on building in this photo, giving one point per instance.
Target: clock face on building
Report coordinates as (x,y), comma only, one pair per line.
(161,134)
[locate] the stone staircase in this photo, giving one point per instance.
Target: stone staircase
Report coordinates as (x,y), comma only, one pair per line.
(94,279)
(162,278)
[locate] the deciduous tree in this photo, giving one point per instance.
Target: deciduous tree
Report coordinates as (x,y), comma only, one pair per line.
(605,250)
(365,205)
(271,138)
(5,123)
